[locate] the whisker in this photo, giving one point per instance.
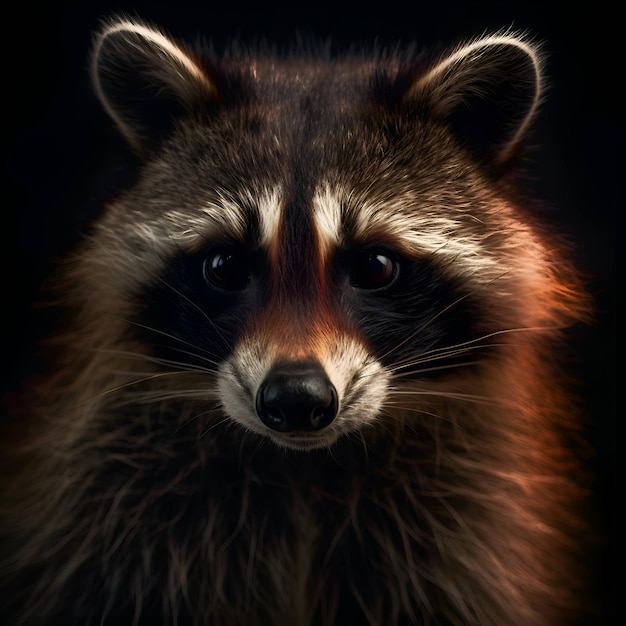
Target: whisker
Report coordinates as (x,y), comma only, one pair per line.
(426,370)
(148,393)
(474,344)
(470,397)
(159,360)
(420,411)
(420,328)
(454,350)
(197,308)
(172,394)
(365,446)
(428,322)
(224,420)
(193,353)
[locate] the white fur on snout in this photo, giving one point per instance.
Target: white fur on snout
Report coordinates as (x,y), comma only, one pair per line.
(360,381)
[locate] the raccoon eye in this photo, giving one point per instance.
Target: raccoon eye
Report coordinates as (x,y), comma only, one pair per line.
(227,268)
(373,269)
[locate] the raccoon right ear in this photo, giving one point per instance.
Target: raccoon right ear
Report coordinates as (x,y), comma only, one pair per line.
(144,79)
(487,91)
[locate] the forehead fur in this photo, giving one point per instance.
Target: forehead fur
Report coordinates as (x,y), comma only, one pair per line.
(329,152)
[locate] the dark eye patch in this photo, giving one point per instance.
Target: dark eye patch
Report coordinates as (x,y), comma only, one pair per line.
(414,317)
(412,313)
(197,307)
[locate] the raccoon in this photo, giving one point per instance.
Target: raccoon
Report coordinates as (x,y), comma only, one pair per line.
(311,372)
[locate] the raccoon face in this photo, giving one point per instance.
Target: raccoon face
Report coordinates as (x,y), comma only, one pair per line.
(315,235)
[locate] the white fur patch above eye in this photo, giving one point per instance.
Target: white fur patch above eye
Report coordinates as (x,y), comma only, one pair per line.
(144,241)
(269,210)
(433,232)
(225,216)
(453,235)
(328,217)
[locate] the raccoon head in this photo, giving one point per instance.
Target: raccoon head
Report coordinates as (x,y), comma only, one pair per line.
(313,234)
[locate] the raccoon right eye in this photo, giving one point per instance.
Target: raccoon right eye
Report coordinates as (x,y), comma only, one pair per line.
(227,268)
(373,269)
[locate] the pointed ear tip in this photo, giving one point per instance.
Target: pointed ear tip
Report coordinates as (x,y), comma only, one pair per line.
(123,25)
(144,78)
(521,38)
(488,90)
(108,27)
(515,41)
(518,42)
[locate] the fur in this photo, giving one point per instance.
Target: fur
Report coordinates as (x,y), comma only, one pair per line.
(354,221)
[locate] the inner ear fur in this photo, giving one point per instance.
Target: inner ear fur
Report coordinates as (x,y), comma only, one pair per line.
(488,92)
(144,79)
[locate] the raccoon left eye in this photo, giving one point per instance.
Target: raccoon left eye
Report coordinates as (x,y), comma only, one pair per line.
(373,269)
(227,268)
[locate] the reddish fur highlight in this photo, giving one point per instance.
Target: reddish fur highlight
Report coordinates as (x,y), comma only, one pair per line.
(441,493)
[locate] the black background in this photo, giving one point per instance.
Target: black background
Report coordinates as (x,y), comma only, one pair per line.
(56,141)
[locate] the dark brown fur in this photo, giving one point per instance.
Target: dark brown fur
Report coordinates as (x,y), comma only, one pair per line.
(445,492)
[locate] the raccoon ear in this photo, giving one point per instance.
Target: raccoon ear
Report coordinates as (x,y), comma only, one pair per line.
(144,79)
(488,91)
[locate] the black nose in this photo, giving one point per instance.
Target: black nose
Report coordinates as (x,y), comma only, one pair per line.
(296,396)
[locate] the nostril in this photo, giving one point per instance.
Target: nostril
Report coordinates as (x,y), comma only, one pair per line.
(270,409)
(297,396)
(323,414)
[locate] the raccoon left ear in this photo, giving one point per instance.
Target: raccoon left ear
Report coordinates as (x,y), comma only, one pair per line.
(487,91)
(144,79)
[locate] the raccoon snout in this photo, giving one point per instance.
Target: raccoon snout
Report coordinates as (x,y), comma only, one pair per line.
(297,396)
